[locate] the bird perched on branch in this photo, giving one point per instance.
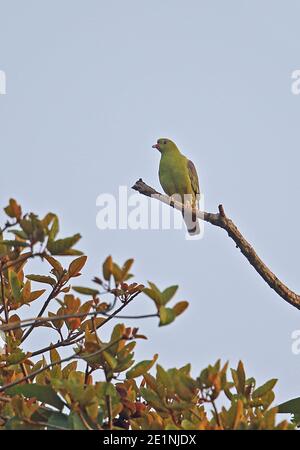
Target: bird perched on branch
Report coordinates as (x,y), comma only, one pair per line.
(178,178)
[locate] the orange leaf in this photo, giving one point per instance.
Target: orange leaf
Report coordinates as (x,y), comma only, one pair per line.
(76,266)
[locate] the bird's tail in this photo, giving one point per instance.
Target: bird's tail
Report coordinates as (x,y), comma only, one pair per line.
(192,224)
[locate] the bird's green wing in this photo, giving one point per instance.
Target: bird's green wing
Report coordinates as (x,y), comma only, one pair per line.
(193,226)
(193,177)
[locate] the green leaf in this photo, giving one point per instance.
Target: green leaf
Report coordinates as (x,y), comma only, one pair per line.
(241,378)
(72,366)
(168,293)
(44,394)
(105,388)
(141,368)
(85,290)
(46,221)
(54,356)
(72,252)
(21,234)
(54,228)
(167,315)
(153,399)
(154,293)
(15,285)
(62,246)
(41,279)
(150,293)
(75,422)
(9,243)
(117,273)
(60,420)
(15,423)
(262,390)
(163,376)
(3,248)
(16,357)
(127,266)
(291,406)
(111,361)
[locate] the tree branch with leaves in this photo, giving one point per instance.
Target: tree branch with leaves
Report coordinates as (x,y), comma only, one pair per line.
(98,385)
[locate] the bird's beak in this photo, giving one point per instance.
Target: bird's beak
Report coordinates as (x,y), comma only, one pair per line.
(156,146)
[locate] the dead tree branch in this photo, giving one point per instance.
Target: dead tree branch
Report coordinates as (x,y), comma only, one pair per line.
(222,221)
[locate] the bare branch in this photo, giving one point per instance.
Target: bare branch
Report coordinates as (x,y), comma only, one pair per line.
(39,321)
(222,221)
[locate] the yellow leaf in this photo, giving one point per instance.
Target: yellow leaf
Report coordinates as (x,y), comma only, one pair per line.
(55,264)
(180,307)
(26,291)
(239,414)
(54,355)
(36,294)
(141,368)
(107,268)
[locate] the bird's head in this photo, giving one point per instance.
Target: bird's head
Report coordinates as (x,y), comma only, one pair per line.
(164,145)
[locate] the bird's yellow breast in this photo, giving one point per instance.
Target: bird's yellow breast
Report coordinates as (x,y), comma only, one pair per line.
(174,175)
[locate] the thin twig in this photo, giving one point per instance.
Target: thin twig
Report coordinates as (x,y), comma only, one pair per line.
(86,374)
(143,316)
(8,225)
(79,335)
(216,413)
(22,258)
(52,294)
(49,366)
(44,424)
(83,420)
(40,320)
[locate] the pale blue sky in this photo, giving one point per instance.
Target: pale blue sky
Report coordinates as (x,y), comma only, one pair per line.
(92,84)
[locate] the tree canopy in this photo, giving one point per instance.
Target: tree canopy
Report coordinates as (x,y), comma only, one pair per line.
(82,381)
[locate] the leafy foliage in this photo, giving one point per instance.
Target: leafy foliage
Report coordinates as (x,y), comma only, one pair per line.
(83,381)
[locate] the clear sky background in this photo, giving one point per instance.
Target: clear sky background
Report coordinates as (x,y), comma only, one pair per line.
(92,84)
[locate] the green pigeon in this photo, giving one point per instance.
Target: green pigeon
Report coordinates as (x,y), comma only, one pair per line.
(178,176)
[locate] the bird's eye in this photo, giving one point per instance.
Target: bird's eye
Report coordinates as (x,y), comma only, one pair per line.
(165,142)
